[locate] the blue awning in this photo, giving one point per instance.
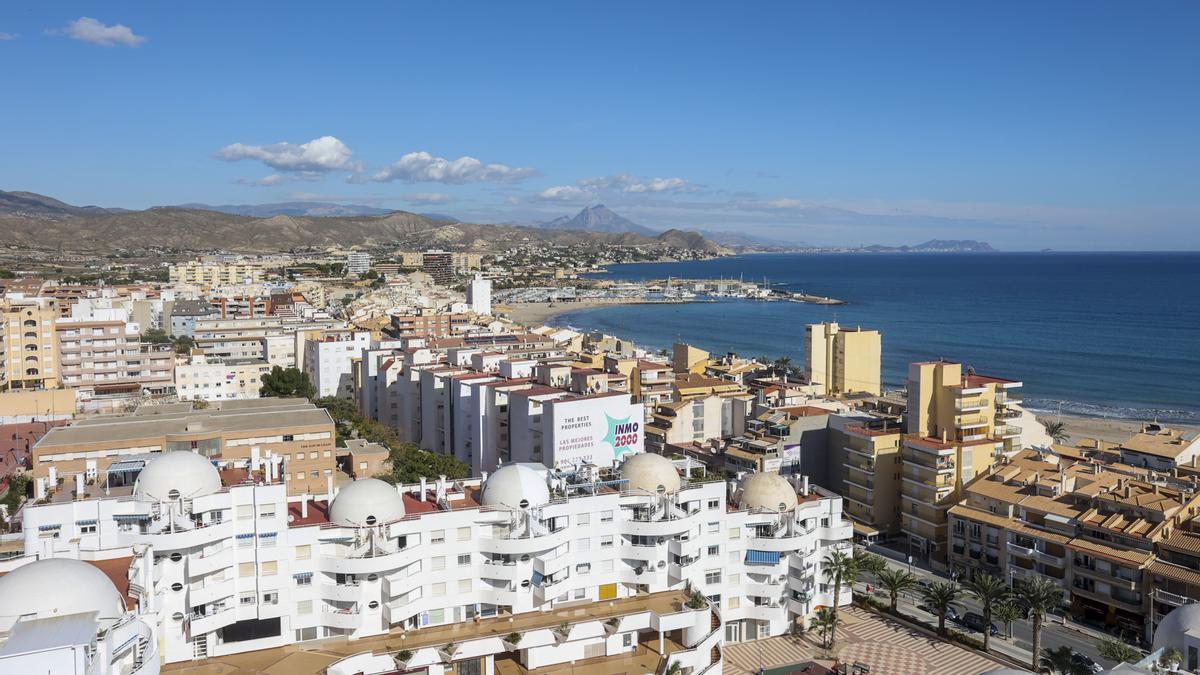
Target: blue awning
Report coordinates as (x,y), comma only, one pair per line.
(245,535)
(127,465)
(265,535)
(131,516)
(47,528)
(91,521)
(538,577)
(302,575)
(762,557)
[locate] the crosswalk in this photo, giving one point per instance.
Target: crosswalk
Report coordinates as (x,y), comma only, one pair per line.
(887,647)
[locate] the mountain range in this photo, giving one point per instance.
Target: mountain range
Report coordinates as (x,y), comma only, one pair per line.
(598,218)
(29,219)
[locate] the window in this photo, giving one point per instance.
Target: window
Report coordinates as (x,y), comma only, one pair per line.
(269,567)
(464,534)
(464,559)
(712,577)
(713,527)
(313,455)
(627,639)
(245,511)
(304,607)
(305,580)
(246,598)
(714,504)
(87,529)
(583,545)
(437,564)
(287,438)
(606,541)
(271,598)
(606,516)
(583,568)
(246,569)
(303,552)
(583,519)
(464,586)
(733,603)
(735,533)
(437,537)
(438,590)
(714,550)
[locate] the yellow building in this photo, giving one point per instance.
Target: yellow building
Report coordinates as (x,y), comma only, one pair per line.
(871,469)
(842,360)
(29,345)
(956,429)
(688,359)
(216,274)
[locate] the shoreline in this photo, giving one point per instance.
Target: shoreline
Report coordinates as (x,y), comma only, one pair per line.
(534,314)
(1111,429)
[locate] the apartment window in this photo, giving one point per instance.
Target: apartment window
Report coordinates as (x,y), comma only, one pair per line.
(315,474)
(437,537)
(606,541)
(583,519)
(735,533)
(464,534)
(304,607)
(627,639)
(464,559)
(464,586)
(271,598)
(87,529)
(287,438)
(438,589)
(712,577)
(246,598)
(245,511)
(606,565)
(583,545)
(437,564)
(734,578)
(733,603)
(606,516)
(714,504)
(713,528)
(303,552)
(246,569)
(714,550)
(269,567)
(313,455)
(305,580)
(328,453)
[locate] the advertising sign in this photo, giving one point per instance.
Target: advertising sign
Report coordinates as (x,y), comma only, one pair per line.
(598,431)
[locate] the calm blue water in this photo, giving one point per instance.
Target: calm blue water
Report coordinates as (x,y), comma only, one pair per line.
(1106,334)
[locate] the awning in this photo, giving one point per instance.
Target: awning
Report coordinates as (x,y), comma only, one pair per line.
(245,535)
(127,465)
(91,521)
(47,528)
(131,516)
(266,535)
(302,575)
(762,557)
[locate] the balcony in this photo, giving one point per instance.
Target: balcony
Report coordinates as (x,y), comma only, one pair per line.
(1006,431)
(971,422)
(1023,551)
(1173,599)
(969,404)
(341,618)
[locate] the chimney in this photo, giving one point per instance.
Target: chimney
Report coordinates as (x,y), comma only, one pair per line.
(304,505)
(441,487)
(79,486)
(421,495)
(804,486)
(329,487)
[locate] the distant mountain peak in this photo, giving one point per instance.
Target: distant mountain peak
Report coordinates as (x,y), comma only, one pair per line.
(597,218)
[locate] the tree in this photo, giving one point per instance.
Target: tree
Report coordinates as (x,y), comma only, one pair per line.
(1064,661)
(342,410)
(184,344)
(1057,431)
(156,336)
(871,563)
(410,464)
(7,274)
(1041,595)
(840,569)
(286,382)
(896,582)
(1119,651)
(988,590)
(1007,611)
(939,597)
(826,621)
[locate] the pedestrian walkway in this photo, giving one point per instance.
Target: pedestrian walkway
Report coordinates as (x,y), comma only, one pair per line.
(885,645)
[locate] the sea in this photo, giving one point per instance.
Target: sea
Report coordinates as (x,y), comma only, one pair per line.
(1099,334)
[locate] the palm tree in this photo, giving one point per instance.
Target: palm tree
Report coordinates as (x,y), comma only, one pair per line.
(988,590)
(825,621)
(1041,595)
(939,597)
(1007,612)
(840,569)
(869,562)
(1057,431)
(1064,661)
(896,582)
(782,365)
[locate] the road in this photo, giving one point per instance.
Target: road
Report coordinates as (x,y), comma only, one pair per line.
(1020,646)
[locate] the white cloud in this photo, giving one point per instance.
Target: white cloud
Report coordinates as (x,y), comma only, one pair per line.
(90,30)
(426,198)
(566,193)
(422,167)
(5,37)
(625,182)
(266,181)
(314,158)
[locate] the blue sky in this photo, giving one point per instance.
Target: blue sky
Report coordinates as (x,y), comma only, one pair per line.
(1029,125)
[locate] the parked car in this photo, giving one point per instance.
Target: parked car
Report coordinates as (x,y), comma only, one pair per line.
(1096,667)
(974,621)
(951,613)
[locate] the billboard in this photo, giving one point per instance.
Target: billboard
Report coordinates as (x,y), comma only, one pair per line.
(598,430)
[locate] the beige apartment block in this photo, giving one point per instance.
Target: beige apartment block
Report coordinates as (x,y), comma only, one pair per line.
(302,434)
(216,274)
(688,359)
(28,345)
(100,358)
(871,470)
(843,360)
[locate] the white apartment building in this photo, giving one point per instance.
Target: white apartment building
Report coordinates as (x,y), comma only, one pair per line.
(329,358)
(216,560)
(209,378)
(479,295)
(358,262)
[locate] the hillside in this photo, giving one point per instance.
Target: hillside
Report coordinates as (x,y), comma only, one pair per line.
(322,209)
(598,218)
(33,220)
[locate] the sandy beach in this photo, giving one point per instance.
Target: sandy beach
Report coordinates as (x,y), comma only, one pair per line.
(534,314)
(1105,429)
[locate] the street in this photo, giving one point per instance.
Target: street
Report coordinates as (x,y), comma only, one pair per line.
(1054,634)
